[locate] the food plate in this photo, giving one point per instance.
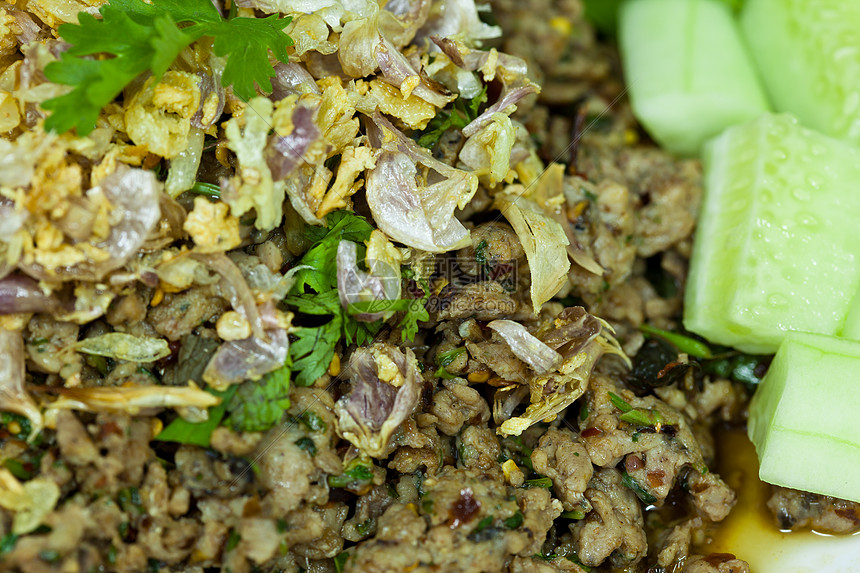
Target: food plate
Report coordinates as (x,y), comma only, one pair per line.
(750,533)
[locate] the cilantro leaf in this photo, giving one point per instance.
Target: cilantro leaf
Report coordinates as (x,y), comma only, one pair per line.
(416,312)
(248,63)
(260,404)
(462,113)
(315,293)
(138,37)
(313,350)
(322,276)
(198,434)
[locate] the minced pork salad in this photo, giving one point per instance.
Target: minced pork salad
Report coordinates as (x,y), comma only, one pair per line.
(347,286)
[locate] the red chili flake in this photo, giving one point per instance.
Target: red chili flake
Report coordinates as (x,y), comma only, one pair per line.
(591,432)
(849,514)
(716,558)
(464,509)
(655,478)
(633,463)
(667,368)
(109,428)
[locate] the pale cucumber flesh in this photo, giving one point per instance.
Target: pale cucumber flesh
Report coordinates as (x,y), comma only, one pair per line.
(776,248)
(804,416)
(687,70)
(808,55)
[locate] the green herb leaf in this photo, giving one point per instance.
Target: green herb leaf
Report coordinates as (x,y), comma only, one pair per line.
(619,402)
(313,350)
(355,474)
(207,189)
(198,434)
(462,113)
(140,37)
(683,343)
(340,561)
(260,404)
(444,374)
(7,543)
(640,492)
(233,540)
(447,357)
(637,417)
(16,468)
(307,445)
(322,276)
(572,515)
(480,252)
(543,482)
(514,521)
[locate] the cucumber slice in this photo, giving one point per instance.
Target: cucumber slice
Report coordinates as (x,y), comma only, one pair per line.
(687,70)
(808,54)
(803,417)
(776,248)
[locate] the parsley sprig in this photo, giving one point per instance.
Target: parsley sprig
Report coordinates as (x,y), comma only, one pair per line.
(138,37)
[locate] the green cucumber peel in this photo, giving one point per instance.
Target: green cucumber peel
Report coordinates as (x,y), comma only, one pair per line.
(775,249)
(808,56)
(803,417)
(688,71)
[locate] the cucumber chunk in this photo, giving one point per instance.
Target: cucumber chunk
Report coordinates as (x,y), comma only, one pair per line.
(808,55)
(776,248)
(803,417)
(687,70)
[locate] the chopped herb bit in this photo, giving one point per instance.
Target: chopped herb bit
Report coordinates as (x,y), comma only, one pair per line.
(364,527)
(313,421)
(514,521)
(340,561)
(484,530)
(575,514)
(583,413)
(640,492)
(480,252)
(208,189)
(637,417)
(17,469)
(620,402)
(356,473)
(444,374)
(447,357)
(746,368)
(683,343)
(111,555)
(544,482)
(573,558)
(281,525)
(7,543)
(233,540)
(100,363)
(484,524)
(200,433)
(129,500)
(307,445)
(392,490)
(427,505)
